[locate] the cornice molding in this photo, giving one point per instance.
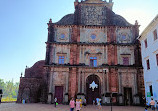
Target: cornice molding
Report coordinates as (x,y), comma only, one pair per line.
(153,23)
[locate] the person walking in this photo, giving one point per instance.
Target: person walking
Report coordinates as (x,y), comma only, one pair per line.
(157,105)
(55,101)
(93,102)
(0,98)
(98,100)
(85,102)
(81,102)
(78,105)
(147,104)
(100,104)
(146,109)
(152,103)
(72,104)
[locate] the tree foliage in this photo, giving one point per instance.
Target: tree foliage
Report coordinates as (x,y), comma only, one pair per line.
(9,88)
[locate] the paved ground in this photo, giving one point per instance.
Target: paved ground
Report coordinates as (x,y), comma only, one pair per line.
(47,107)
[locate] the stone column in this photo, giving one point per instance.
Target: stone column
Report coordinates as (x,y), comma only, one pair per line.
(72,82)
(120,83)
(51,82)
(79,76)
(120,88)
(132,58)
(67,82)
(103,82)
(135,84)
(50,88)
(136,100)
(54,55)
(83,82)
(107,81)
(84,56)
(50,54)
(67,88)
(106,54)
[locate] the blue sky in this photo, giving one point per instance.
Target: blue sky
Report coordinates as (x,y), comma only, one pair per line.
(23,28)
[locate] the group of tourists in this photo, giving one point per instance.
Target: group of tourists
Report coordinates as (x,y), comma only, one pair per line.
(73,104)
(78,104)
(152,104)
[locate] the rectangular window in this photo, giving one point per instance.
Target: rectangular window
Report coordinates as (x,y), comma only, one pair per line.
(148,64)
(93,61)
(146,44)
(151,90)
(157,59)
(125,60)
(155,34)
(61,59)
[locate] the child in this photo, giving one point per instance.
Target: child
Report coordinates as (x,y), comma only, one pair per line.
(81,102)
(78,105)
(152,103)
(72,104)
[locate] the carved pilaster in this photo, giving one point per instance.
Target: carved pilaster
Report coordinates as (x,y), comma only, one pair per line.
(79,76)
(135,84)
(83,81)
(67,83)
(120,82)
(51,82)
(103,82)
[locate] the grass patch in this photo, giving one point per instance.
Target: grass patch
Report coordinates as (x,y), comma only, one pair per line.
(7,99)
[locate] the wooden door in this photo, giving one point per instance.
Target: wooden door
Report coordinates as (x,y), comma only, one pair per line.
(128,96)
(59,94)
(92,94)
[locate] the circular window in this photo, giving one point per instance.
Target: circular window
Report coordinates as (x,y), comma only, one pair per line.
(93,36)
(123,37)
(62,36)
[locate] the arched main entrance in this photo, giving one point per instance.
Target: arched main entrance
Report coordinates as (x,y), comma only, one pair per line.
(92,88)
(26,95)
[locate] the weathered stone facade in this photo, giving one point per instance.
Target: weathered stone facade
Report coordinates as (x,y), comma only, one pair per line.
(93,31)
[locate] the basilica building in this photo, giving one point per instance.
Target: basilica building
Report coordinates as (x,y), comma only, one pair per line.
(92,53)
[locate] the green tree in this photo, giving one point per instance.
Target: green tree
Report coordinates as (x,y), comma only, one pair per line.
(10,89)
(2,85)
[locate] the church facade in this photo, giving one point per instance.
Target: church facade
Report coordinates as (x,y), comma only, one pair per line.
(90,54)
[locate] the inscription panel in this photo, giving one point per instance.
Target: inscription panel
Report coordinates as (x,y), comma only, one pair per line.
(93,15)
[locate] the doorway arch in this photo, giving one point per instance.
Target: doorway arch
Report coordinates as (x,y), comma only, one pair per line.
(93,92)
(26,95)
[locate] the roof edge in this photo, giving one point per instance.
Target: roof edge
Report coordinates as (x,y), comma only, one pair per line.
(148,26)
